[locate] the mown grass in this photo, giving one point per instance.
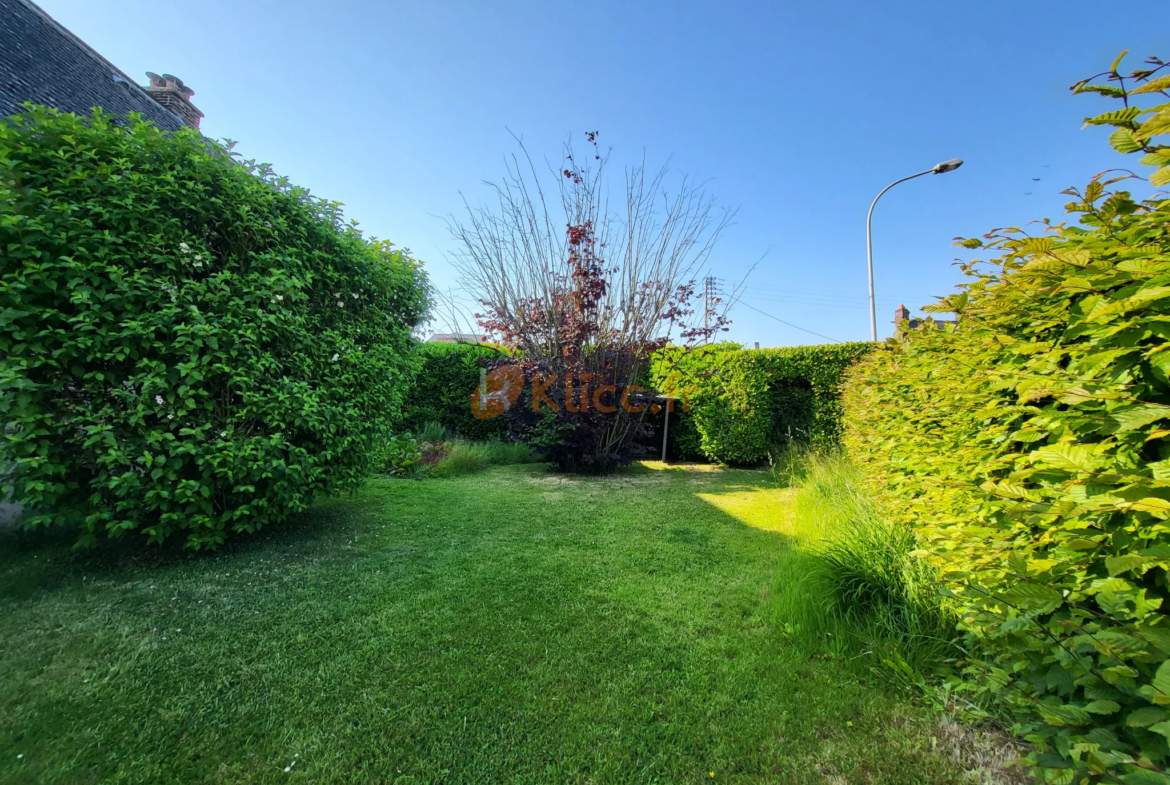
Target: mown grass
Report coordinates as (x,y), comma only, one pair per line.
(510,626)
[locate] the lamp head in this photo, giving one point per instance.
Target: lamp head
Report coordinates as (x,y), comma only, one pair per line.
(947,166)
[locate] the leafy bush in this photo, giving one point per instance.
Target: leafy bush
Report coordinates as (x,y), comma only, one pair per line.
(401,455)
(448,375)
(1029,447)
(742,401)
(188,346)
(568,427)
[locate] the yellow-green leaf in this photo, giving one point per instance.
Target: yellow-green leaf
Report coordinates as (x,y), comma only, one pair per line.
(1158,85)
(1123,141)
(1116,117)
(1065,455)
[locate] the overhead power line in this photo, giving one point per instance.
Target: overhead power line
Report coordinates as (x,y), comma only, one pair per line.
(790,324)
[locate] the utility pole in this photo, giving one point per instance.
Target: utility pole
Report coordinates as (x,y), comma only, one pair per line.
(710,289)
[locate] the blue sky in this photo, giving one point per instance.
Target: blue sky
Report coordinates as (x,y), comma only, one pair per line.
(796,113)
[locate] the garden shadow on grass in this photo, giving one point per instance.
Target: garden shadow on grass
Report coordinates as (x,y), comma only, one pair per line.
(39,559)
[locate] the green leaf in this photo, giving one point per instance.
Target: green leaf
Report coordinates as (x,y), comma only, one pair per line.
(1118,117)
(1138,776)
(1151,504)
(1158,124)
(1119,564)
(1065,455)
(1155,85)
(1033,597)
(1161,682)
(1161,176)
(1135,417)
(1145,716)
(1123,141)
(1162,728)
(1103,707)
(1161,469)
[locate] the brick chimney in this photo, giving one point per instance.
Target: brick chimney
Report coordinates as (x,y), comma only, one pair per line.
(901,315)
(170,92)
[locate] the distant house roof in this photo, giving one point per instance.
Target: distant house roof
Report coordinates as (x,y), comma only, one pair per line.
(450,337)
(42,62)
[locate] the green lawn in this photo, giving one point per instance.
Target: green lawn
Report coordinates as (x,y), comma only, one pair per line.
(510,626)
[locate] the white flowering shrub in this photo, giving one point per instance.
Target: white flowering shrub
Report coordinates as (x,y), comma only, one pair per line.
(189,347)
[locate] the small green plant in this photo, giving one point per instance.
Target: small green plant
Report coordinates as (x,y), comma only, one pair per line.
(402,455)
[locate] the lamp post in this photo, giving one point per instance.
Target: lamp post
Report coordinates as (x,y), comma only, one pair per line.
(944,167)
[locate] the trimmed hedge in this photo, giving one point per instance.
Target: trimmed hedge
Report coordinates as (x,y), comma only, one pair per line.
(744,401)
(447,376)
(189,347)
(1030,451)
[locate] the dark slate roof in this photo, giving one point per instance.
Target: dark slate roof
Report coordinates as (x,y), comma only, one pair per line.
(42,62)
(452,337)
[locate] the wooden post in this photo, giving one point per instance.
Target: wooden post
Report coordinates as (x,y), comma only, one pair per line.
(665,429)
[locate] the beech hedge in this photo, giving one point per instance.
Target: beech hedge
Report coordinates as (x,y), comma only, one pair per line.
(447,376)
(1030,450)
(189,346)
(743,401)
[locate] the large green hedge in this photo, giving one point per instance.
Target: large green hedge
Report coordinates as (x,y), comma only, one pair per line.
(743,401)
(1030,449)
(448,374)
(189,347)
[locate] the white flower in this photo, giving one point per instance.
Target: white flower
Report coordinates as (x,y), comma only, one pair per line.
(170,416)
(184,248)
(336,357)
(159,400)
(223,433)
(355,295)
(280,298)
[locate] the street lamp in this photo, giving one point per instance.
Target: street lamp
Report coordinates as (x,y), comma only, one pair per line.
(943,168)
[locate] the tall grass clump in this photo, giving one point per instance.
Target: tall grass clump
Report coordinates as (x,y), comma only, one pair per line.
(467,457)
(861,589)
(432,431)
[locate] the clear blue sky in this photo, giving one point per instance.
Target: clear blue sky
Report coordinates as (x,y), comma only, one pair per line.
(797,113)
